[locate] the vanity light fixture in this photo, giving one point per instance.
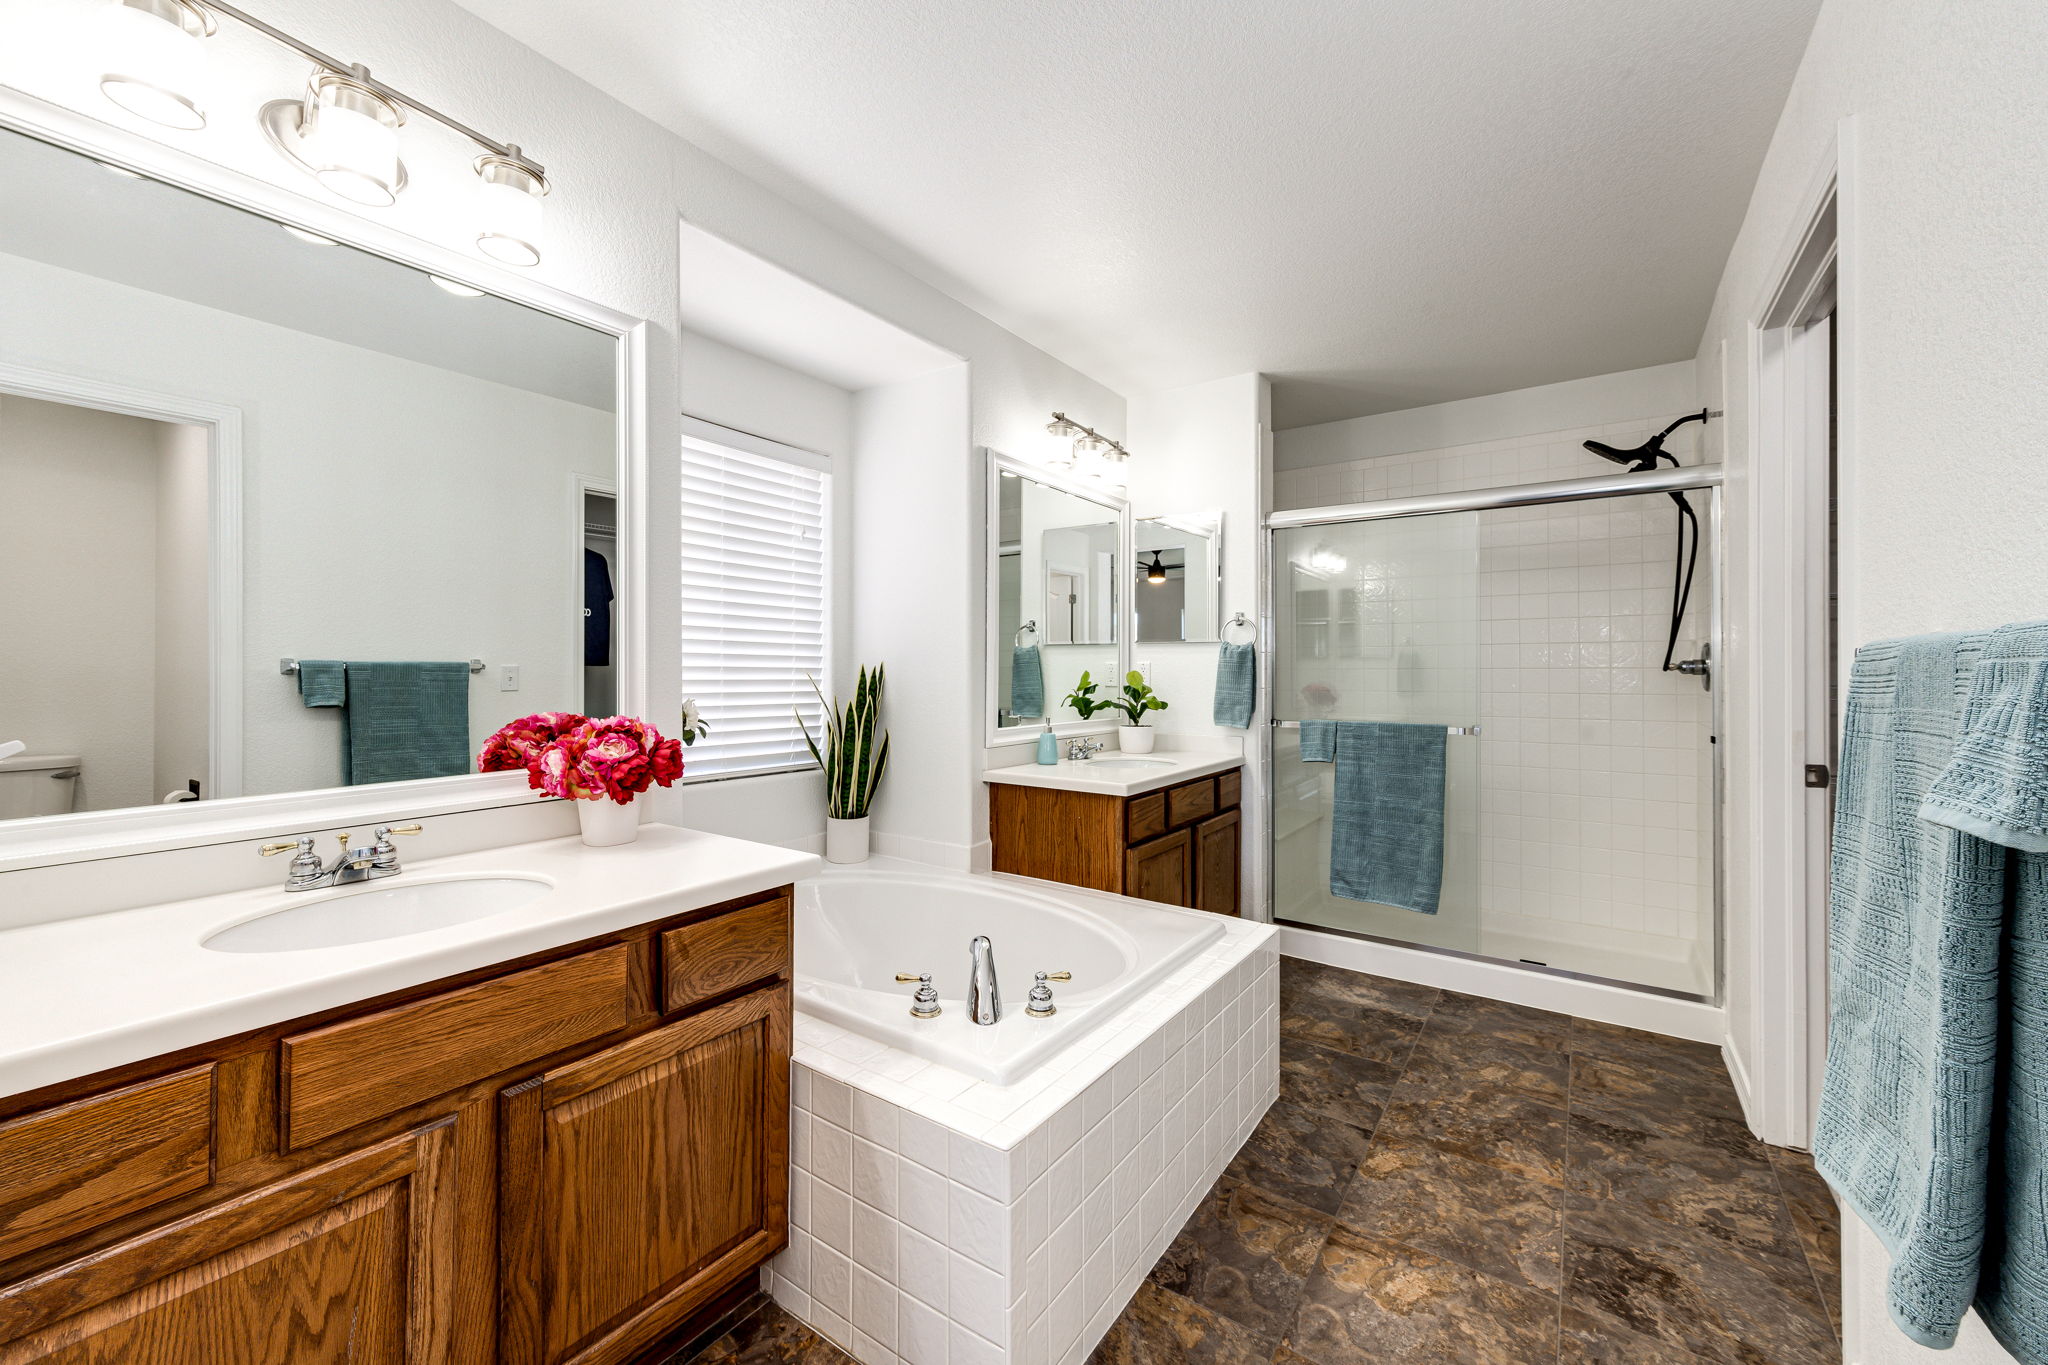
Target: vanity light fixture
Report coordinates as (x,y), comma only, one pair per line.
(155,64)
(343,130)
(1093,453)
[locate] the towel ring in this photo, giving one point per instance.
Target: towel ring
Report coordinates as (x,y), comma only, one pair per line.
(1252,631)
(1028,628)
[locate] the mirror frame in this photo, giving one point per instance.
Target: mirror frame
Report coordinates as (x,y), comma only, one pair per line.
(1215,518)
(88,835)
(998,464)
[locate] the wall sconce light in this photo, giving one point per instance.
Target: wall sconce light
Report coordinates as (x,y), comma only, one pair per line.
(343,131)
(155,64)
(1093,453)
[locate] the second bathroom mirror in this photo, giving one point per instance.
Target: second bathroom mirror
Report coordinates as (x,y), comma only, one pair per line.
(1056,593)
(1177,584)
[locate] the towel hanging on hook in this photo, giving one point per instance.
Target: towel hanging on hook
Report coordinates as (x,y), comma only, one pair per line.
(1028,628)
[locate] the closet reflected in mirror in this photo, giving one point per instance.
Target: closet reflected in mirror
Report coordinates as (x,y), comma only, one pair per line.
(1056,594)
(281,514)
(1177,591)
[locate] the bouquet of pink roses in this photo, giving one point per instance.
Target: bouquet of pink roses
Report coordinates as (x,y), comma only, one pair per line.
(581,759)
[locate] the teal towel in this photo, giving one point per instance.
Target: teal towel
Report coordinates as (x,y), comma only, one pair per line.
(1934,1106)
(323,682)
(1387,822)
(1237,683)
(1027,683)
(405,721)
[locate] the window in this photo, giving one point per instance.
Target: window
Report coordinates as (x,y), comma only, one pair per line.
(754,619)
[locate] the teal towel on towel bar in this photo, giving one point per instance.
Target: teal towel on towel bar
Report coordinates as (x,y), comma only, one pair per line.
(1933,1118)
(323,682)
(1027,683)
(405,721)
(1387,819)
(1237,685)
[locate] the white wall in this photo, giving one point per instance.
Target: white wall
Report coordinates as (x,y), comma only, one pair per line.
(78,558)
(620,184)
(1944,313)
(391,510)
(1628,395)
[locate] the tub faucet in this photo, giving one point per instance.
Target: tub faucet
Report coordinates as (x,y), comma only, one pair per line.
(984,997)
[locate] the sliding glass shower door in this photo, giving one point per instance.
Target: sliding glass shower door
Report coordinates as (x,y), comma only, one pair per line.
(1578,803)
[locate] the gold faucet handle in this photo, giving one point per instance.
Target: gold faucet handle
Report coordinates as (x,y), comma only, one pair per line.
(401,829)
(927,976)
(1056,976)
(272,850)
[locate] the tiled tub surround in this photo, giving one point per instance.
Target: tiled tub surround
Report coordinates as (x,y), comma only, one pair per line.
(942,1220)
(1588,795)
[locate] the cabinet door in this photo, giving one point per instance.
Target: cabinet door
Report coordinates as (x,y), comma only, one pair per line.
(638,1182)
(349,1263)
(1218,852)
(1157,870)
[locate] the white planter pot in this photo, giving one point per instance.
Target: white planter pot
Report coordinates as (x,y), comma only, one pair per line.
(846,841)
(606,823)
(1135,739)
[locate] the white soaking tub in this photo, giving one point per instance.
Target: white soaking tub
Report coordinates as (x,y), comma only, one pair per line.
(857,929)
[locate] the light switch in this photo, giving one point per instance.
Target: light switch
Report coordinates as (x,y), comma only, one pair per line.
(508,677)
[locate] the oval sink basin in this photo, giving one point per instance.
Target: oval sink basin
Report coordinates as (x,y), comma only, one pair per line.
(330,919)
(1115,763)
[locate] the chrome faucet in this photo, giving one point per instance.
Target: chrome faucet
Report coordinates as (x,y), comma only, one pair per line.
(1082,749)
(984,997)
(378,858)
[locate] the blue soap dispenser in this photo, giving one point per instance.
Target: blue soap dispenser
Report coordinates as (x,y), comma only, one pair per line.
(1048,746)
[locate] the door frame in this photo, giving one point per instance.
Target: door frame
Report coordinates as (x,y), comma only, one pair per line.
(1797,386)
(223,427)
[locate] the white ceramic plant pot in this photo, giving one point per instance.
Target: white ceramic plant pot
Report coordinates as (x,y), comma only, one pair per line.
(606,823)
(1135,739)
(846,841)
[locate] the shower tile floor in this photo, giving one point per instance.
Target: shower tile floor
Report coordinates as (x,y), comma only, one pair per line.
(1451,1179)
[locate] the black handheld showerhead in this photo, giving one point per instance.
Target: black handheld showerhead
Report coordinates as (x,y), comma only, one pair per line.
(1608,452)
(1645,456)
(1640,461)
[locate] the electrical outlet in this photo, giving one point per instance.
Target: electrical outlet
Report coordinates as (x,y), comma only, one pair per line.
(508,677)
(1144,667)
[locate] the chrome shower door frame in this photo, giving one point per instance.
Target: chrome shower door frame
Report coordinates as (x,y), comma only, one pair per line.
(1685,478)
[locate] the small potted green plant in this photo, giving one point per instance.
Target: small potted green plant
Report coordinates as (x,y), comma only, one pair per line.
(853,753)
(1137,698)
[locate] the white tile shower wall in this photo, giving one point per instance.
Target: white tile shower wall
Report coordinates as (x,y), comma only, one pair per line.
(1594,804)
(937,1220)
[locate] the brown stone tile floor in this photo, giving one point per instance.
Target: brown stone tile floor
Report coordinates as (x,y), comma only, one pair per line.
(1448,1180)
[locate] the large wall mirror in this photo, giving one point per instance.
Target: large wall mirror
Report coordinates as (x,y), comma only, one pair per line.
(1177,580)
(281,514)
(1057,593)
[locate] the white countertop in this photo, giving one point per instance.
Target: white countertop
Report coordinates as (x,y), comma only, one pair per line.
(1117,774)
(81,995)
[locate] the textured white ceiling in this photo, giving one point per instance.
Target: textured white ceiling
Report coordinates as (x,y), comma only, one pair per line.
(1381,204)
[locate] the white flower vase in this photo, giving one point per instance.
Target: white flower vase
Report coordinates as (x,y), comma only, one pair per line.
(846,841)
(1135,739)
(608,823)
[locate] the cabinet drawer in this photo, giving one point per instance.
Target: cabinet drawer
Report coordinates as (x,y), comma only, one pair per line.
(725,952)
(74,1167)
(1190,802)
(1145,817)
(1228,787)
(360,1069)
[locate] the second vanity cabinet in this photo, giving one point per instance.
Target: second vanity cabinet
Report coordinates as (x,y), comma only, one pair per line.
(1181,845)
(561,1160)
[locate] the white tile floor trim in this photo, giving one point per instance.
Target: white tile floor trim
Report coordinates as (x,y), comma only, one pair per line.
(939,1220)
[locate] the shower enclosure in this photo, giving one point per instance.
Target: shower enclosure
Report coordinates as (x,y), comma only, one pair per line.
(1580,788)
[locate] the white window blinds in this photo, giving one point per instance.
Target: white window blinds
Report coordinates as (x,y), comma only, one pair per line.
(755,591)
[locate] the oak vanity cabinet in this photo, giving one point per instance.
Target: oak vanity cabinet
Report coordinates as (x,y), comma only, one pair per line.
(568,1158)
(1181,845)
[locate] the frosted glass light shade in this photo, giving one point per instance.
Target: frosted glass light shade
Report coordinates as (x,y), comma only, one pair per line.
(155,64)
(353,152)
(509,204)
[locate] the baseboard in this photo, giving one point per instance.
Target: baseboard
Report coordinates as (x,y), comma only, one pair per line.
(931,852)
(1738,1072)
(1664,1014)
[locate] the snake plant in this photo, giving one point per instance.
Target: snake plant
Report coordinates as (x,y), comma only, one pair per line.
(855,750)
